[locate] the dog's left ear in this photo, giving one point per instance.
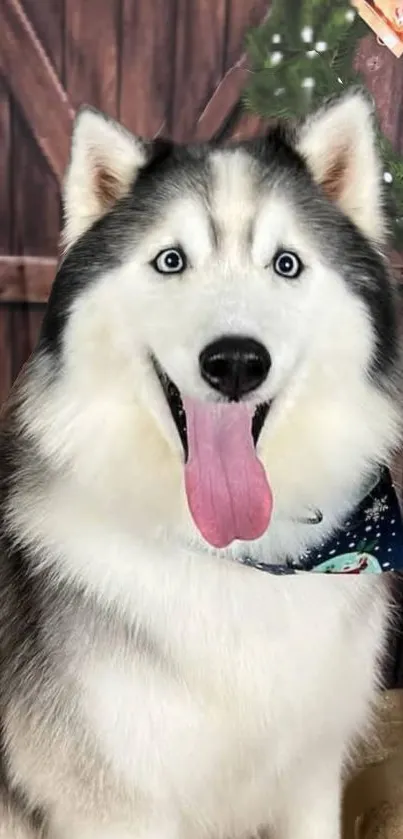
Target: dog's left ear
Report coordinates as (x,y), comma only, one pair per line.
(338,144)
(104,162)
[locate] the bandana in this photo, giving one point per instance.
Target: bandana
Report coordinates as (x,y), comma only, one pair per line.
(369,542)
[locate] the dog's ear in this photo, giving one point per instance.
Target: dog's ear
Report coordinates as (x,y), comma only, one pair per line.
(338,144)
(104,162)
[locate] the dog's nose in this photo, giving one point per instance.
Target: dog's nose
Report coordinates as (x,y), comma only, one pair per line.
(234,365)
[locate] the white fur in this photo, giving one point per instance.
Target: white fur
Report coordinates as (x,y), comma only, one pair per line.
(98,144)
(347,131)
(264,682)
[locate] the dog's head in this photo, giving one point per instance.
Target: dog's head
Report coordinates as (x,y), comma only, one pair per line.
(236,299)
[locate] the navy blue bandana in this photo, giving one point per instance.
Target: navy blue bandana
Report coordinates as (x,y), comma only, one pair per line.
(369,542)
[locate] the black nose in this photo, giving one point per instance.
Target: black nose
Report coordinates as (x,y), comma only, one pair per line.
(234,365)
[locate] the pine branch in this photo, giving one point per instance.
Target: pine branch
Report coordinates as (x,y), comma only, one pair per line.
(304,53)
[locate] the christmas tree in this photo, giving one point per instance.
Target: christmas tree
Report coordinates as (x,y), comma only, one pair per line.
(301,55)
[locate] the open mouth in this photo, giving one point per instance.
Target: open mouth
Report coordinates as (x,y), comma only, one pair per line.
(227,490)
(176,407)
(175,404)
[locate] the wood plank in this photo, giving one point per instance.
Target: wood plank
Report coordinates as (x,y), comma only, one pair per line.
(5,354)
(242,15)
(91,53)
(382,73)
(220,106)
(244,125)
(47,17)
(225,99)
(147,65)
(35,85)
(36,315)
(199,57)
(25,323)
(36,217)
(26,278)
(238,124)
(5,170)
(36,210)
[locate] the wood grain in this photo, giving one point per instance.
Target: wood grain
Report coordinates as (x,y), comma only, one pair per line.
(6,221)
(36,196)
(26,278)
(34,83)
(91,53)
(221,104)
(225,101)
(241,17)
(6,163)
(25,323)
(243,125)
(5,353)
(47,19)
(147,65)
(199,59)
(383,76)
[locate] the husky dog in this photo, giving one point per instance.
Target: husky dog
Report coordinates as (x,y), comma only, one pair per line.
(218,359)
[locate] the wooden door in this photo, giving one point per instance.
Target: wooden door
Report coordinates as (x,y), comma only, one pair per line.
(172,67)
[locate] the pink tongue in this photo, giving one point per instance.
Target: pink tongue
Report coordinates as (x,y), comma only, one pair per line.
(227,489)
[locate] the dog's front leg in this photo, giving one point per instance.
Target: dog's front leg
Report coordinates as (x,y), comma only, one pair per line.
(311,806)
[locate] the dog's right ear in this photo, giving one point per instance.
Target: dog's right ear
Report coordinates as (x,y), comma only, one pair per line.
(104,162)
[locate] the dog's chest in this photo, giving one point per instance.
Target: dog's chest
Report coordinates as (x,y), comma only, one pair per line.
(199,737)
(211,711)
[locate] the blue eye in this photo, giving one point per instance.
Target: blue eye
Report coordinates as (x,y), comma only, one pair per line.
(170,261)
(287,264)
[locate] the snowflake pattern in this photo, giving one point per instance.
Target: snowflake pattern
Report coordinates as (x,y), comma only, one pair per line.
(379,506)
(371,540)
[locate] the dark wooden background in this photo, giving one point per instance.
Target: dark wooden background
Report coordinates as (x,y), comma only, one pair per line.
(170,67)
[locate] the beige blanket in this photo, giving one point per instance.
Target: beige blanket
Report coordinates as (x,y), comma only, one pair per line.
(374,796)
